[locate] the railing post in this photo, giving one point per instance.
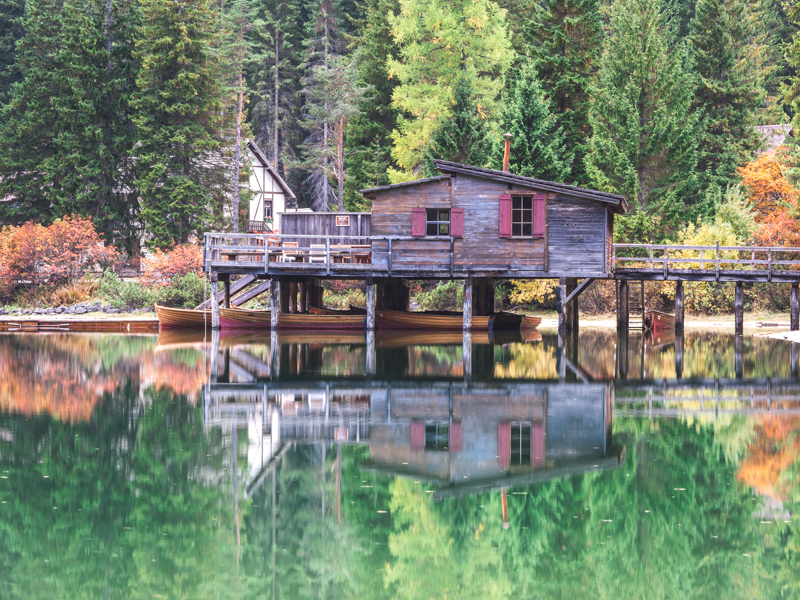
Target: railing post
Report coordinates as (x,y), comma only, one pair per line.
(452,256)
(389,257)
(717,271)
(328,254)
(666,253)
(651,257)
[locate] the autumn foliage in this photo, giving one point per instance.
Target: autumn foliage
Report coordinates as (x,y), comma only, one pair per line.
(161,267)
(775,448)
(36,255)
(773,198)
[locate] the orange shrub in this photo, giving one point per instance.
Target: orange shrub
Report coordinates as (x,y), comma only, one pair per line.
(54,255)
(774,199)
(160,268)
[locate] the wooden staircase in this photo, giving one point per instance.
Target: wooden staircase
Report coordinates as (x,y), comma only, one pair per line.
(636,305)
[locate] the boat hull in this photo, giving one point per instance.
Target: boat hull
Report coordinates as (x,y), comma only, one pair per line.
(182,318)
(658,322)
(239,318)
(508,321)
(395,319)
(243,318)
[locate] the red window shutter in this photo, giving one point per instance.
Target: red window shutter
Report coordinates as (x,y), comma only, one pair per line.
(457,222)
(417,436)
(455,443)
(504,444)
(537,445)
(539,215)
(418,222)
(505,215)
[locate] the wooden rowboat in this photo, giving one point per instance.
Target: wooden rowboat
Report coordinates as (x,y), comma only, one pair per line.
(315,310)
(180,318)
(244,318)
(240,318)
(658,322)
(395,319)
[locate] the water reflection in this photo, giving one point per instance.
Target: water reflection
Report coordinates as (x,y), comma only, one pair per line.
(397,467)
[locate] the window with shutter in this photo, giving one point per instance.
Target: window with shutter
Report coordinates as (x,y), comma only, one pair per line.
(504,444)
(457,222)
(505,215)
(539,215)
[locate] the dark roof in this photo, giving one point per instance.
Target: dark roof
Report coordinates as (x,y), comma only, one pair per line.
(394,186)
(265,161)
(615,200)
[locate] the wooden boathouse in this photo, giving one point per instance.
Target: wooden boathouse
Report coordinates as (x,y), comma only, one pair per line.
(476,225)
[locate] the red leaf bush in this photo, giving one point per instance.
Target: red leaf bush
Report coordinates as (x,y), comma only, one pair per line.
(161,267)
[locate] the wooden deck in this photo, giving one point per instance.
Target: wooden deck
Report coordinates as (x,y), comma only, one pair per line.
(96,325)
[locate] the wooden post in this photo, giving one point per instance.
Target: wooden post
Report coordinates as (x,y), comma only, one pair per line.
(622,353)
(466,350)
(468,306)
(226,291)
(679,307)
(738,309)
(293,297)
(213,367)
(622,305)
(274,353)
(284,303)
(275,303)
(571,308)
(303,293)
(795,308)
(370,304)
(795,360)
(371,351)
(214,303)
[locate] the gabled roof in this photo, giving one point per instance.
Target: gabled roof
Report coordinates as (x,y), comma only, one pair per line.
(615,200)
(394,186)
(262,158)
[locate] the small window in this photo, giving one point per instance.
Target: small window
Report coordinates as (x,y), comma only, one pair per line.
(437,222)
(267,209)
(522,216)
(437,435)
(520,443)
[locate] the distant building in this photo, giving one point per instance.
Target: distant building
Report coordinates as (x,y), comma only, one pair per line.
(773,136)
(270,194)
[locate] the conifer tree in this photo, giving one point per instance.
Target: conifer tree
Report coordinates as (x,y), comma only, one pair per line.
(537,148)
(11,31)
(180,122)
(66,134)
(645,137)
(791,90)
(727,89)
(440,42)
(463,135)
(564,40)
(274,77)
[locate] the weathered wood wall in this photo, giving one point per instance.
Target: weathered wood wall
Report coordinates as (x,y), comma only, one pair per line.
(391,210)
(577,236)
(325,224)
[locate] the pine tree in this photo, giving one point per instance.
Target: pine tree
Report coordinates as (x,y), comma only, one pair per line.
(775,30)
(791,90)
(565,38)
(537,148)
(11,31)
(66,133)
(463,135)
(274,77)
(369,135)
(645,137)
(235,52)
(727,89)
(180,165)
(442,41)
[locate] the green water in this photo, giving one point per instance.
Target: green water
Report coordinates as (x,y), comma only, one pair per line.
(137,467)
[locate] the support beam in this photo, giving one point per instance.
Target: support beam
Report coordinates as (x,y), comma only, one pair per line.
(293,298)
(570,305)
(393,294)
(561,295)
(678,354)
(284,303)
(582,287)
(482,297)
(275,304)
(622,353)
(795,308)
(738,358)
(738,309)
(622,305)
(468,285)
(214,304)
(370,304)
(371,352)
(226,291)
(794,360)
(679,310)
(466,351)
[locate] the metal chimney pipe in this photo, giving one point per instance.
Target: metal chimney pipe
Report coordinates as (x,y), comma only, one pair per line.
(507,151)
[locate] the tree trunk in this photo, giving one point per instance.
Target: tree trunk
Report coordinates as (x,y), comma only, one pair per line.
(340,162)
(238,154)
(275,115)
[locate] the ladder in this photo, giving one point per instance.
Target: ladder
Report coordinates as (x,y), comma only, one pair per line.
(636,305)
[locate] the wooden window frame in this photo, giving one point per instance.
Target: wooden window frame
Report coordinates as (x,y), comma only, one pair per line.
(440,441)
(517,457)
(532,195)
(438,222)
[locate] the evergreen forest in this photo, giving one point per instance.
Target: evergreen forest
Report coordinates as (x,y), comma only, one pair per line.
(133,112)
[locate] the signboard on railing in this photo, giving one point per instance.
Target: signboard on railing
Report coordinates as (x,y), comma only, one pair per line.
(343,220)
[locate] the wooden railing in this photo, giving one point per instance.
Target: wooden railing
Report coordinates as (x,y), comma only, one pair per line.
(711,261)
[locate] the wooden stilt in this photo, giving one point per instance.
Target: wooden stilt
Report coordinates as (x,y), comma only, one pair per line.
(571,308)
(561,296)
(466,350)
(678,354)
(468,305)
(370,305)
(226,291)
(214,303)
(795,308)
(622,353)
(293,298)
(275,303)
(302,303)
(622,305)
(738,358)
(371,351)
(738,309)
(284,304)
(678,308)
(795,360)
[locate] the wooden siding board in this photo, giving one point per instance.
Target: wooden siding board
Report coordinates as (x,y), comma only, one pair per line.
(576,233)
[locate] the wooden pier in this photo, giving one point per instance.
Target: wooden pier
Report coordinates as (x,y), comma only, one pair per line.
(96,325)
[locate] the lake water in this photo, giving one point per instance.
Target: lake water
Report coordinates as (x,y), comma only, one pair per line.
(399,466)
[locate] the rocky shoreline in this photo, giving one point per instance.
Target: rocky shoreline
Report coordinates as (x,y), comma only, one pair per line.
(82,308)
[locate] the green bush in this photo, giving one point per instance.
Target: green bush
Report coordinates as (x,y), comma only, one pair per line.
(447,295)
(127,295)
(187,291)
